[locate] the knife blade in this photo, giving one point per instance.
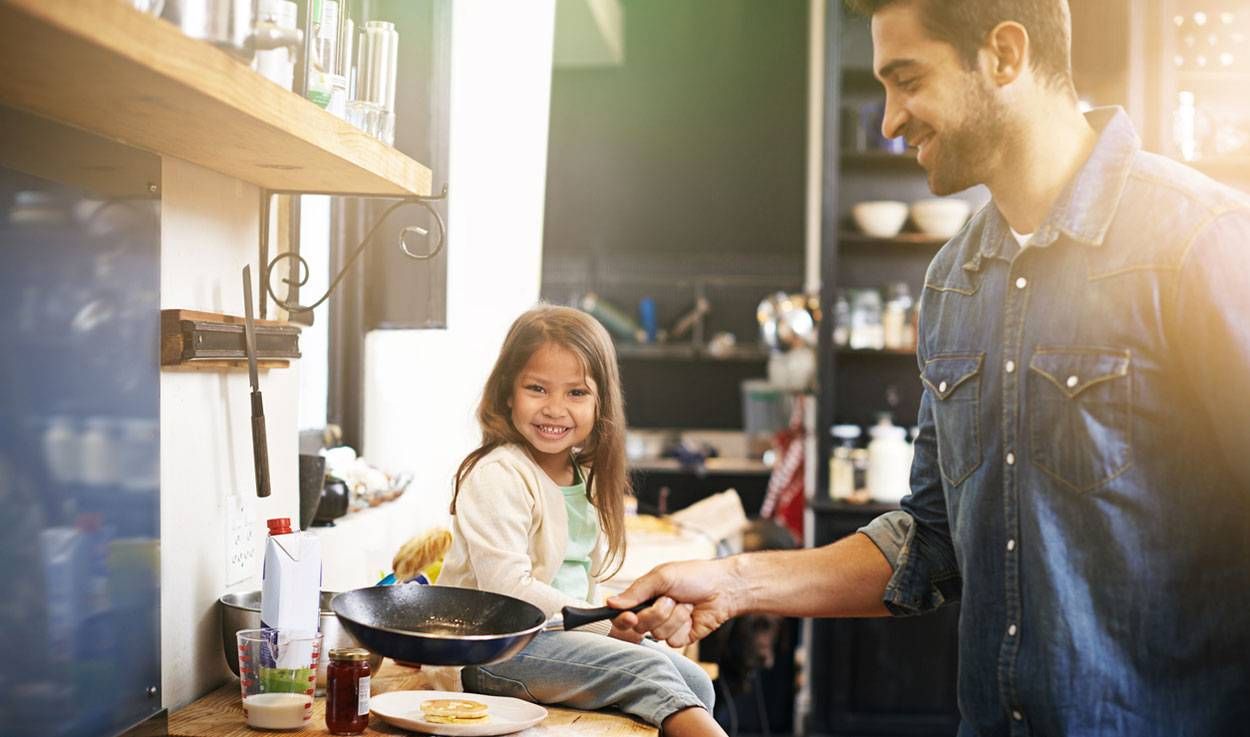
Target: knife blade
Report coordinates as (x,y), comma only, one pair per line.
(260,449)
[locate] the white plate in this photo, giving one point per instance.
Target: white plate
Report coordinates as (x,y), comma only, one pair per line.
(507,715)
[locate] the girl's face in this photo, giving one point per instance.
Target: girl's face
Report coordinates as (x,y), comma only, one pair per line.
(553,405)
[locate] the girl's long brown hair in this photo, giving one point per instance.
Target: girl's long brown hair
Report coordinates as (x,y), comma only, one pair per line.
(607,484)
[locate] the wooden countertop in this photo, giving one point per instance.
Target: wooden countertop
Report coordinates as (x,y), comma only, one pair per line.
(220,714)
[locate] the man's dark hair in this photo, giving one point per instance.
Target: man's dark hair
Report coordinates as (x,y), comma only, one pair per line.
(965,24)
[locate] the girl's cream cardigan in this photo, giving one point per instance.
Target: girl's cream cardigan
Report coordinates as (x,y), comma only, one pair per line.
(510,531)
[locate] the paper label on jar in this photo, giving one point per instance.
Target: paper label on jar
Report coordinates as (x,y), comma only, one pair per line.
(362,699)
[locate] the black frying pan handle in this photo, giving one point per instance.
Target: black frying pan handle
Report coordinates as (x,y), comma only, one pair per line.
(575,617)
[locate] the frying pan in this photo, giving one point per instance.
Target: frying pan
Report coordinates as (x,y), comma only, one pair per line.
(445,625)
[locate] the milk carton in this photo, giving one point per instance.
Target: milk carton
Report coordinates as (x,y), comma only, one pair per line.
(290,597)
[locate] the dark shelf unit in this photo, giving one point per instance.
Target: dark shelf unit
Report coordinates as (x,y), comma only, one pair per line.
(688,352)
(864,677)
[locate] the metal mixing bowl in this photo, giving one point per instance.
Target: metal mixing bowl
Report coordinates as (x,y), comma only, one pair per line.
(241,611)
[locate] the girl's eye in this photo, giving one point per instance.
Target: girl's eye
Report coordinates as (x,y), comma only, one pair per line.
(535,388)
(580,393)
(907,85)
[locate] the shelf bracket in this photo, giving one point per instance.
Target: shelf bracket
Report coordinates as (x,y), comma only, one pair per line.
(300,266)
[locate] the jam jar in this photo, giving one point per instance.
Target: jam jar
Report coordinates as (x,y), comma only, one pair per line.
(347,691)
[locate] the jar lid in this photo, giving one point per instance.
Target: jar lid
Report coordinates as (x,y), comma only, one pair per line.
(349,653)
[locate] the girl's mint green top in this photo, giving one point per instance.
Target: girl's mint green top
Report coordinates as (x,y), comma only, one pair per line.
(573,577)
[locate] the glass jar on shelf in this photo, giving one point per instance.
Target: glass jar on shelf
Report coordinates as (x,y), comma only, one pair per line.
(897,333)
(866,328)
(841,462)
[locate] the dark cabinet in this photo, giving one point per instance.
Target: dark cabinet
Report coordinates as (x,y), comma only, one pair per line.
(891,676)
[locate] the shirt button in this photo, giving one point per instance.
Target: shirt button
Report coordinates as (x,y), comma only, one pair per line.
(1011,459)
(942,387)
(1073,381)
(1015,714)
(1011,545)
(1010,367)
(1011,631)
(1021,283)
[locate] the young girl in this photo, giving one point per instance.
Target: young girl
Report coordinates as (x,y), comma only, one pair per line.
(538,513)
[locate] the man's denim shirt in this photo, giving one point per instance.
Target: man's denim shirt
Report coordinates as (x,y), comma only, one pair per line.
(1081,480)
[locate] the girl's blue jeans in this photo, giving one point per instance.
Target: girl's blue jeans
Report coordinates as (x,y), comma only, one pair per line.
(590,671)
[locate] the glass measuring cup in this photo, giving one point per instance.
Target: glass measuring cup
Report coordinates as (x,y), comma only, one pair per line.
(277,676)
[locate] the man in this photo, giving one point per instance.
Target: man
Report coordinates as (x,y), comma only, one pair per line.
(1082,476)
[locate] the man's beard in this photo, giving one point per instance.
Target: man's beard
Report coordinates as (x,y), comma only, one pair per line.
(968,150)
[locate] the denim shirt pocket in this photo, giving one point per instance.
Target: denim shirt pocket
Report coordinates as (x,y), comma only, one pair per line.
(1081,411)
(954,381)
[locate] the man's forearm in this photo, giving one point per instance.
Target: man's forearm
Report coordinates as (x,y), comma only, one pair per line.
(845,579)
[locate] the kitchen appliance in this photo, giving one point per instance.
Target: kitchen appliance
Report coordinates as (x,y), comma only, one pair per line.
(335,500)
(445,625)
(231,25)
(312,478)
(241,611)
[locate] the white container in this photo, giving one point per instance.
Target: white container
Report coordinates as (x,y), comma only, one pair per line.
(880,218)
(277,65)
(940,218)
(889,463)
(290,594)
(62,452)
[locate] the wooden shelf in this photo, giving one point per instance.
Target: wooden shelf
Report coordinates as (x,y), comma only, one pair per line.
(895,352)
(910,240)
(107,68)
(687,352)
(861,159)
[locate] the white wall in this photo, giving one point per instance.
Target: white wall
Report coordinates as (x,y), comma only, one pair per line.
(208,233)
(422,387)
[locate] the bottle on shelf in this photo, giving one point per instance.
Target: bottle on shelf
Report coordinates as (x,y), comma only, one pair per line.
(897,333)
(841,320)
(889,461)
(842,484)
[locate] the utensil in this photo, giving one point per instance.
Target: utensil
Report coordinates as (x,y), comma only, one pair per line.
(276,678)
(445,625)
(241,611)
(260,450)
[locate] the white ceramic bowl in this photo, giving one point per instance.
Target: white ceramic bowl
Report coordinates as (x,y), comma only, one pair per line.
(880,218)
(940,218)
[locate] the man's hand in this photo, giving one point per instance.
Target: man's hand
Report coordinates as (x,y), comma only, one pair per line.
(625,633)
(695,598)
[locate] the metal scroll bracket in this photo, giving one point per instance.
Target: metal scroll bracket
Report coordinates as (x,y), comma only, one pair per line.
(300,269)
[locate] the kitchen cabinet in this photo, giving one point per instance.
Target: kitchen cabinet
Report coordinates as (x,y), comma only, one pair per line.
(104,222)
(80,445)
(882,676)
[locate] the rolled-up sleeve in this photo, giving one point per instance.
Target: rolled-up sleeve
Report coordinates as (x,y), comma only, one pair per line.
(916,539)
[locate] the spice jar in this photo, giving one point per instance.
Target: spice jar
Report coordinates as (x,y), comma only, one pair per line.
(347,691)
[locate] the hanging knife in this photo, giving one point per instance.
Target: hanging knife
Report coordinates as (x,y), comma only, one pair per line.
(260,451)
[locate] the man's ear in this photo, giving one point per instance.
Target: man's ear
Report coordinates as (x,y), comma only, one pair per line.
(1009,48)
